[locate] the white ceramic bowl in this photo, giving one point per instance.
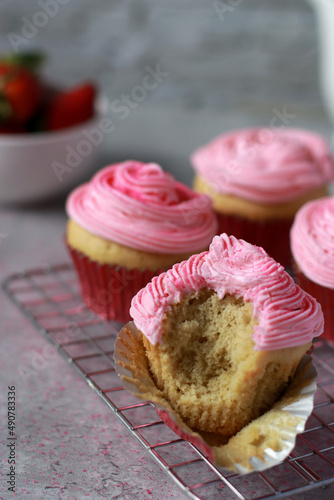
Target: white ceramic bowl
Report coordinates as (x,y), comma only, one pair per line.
(38,166)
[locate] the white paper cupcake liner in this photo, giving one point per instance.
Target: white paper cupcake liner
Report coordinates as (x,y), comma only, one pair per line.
(263,443)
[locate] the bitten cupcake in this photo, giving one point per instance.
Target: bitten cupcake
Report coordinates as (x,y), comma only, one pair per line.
(224,333)
(129,223)
(258,179)
(312,245)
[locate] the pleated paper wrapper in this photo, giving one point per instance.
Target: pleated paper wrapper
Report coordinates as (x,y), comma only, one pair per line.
(272,235)
(325,297)
(262,444)
(108,290)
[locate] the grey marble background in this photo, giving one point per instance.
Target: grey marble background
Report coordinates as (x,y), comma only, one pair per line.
(231,55)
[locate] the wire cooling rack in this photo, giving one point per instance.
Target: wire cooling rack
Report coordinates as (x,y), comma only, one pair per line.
(50,297)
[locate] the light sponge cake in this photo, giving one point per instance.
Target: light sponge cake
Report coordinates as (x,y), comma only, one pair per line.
(224,333)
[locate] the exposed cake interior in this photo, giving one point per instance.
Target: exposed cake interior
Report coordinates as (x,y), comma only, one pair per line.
(207,367)
(206,337)
(224,332)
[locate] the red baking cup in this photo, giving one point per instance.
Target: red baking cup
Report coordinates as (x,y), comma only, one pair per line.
(272,235)
(325,297)
(108,290)
(186,436)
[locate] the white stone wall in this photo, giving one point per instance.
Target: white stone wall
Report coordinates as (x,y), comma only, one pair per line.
(220,55)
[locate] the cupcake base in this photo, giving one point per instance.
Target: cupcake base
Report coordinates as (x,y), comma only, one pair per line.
(108,290)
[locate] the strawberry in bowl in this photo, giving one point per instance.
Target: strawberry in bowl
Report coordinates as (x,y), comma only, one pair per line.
(29,104)
(49,137)
(70,107)
(20,91)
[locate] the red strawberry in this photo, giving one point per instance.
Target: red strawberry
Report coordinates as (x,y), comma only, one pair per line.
(71,107)
(12,129)
(20,90)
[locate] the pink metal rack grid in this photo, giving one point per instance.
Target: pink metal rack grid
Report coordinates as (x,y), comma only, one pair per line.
(50,297)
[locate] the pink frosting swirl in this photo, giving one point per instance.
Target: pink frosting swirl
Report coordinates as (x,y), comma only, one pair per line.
(264,165)
(287,316)
(312,241)
(141,206)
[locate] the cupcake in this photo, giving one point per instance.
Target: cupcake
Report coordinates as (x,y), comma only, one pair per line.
(312,245)
(224,333)
(258,179)
(129,223)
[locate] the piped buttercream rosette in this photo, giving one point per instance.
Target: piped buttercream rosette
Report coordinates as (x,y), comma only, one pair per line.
(141,206)
(312,246)
(312,241)
(265,165)
(287,316)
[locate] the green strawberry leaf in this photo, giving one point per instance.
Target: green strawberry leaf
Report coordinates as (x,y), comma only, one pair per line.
(6,110)
(29,60)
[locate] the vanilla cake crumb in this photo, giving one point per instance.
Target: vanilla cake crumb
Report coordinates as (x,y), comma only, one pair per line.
(207,368)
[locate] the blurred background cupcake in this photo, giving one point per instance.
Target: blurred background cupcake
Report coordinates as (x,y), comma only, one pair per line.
(312,246)
(258,178)
(131,222)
